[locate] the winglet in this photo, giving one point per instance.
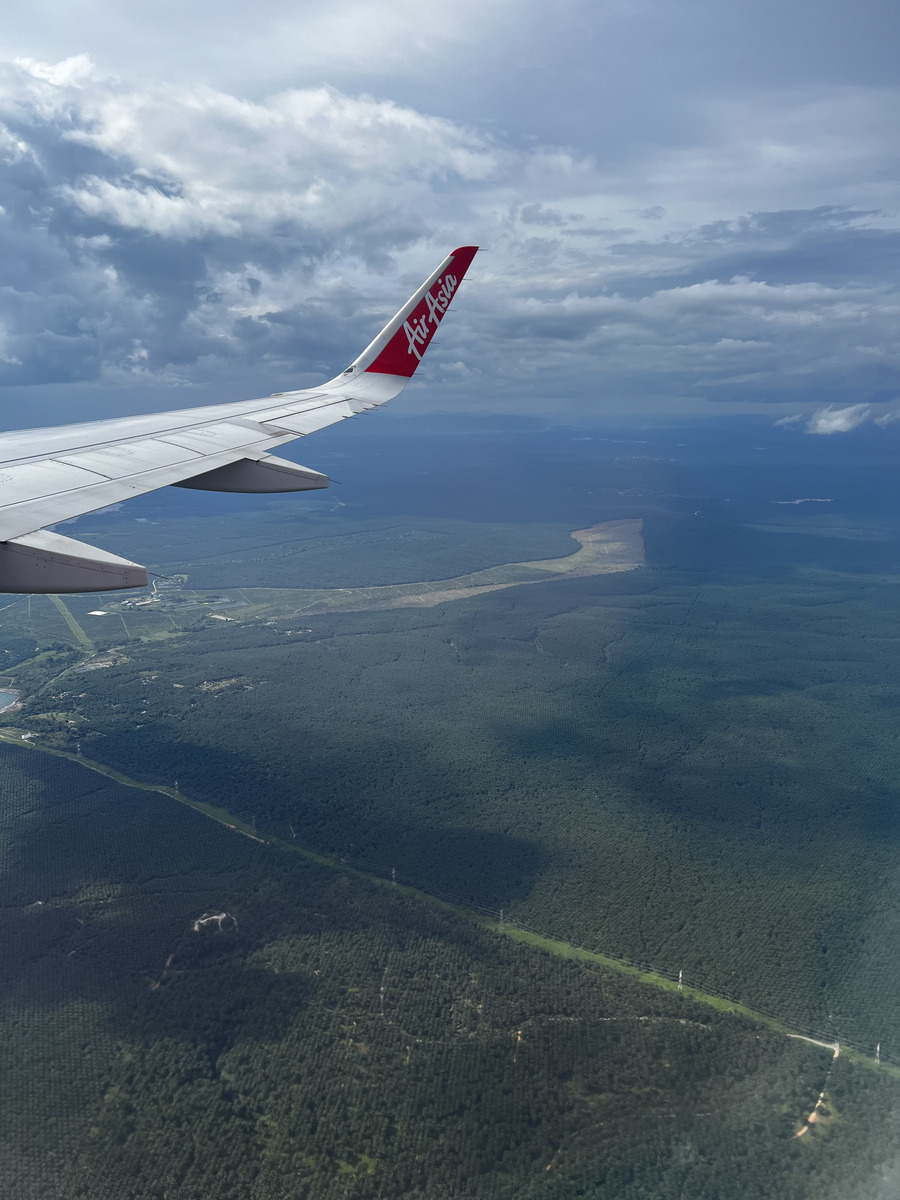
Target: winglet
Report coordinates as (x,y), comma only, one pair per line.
(399,347)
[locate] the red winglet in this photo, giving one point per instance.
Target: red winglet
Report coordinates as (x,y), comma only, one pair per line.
(403,353)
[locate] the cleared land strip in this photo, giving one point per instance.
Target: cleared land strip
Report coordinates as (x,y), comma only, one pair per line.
(603,549)
(484,918)
(80,636)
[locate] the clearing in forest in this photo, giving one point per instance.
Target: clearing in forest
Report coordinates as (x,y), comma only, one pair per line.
(605,548)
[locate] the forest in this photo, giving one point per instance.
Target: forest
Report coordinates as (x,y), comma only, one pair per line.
(332,1038)
(691,766)
(694,776)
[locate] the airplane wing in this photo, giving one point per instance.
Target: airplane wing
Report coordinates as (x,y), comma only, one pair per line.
(50,475)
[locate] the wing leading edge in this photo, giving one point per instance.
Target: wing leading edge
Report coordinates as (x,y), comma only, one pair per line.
(51,475)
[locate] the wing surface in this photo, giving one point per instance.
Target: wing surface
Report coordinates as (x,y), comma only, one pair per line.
(51,475)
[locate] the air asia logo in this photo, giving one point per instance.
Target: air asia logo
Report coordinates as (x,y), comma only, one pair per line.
(418,333)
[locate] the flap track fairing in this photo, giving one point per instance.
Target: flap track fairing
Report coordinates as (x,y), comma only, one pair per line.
(268,474)
(50,563)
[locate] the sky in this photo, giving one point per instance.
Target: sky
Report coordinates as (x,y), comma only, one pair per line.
(686,210)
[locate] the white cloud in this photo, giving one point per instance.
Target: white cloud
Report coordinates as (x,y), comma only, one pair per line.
(69,72)
(228,43)
(266,239)
(838,420)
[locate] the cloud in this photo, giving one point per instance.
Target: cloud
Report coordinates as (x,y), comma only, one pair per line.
(838,420)
(208,227)
(225,46)
(175,235)
(69,71)
(789,420)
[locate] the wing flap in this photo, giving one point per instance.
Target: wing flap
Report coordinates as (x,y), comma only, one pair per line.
(230,435)
(130,458)
(299,424)
(45,478)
